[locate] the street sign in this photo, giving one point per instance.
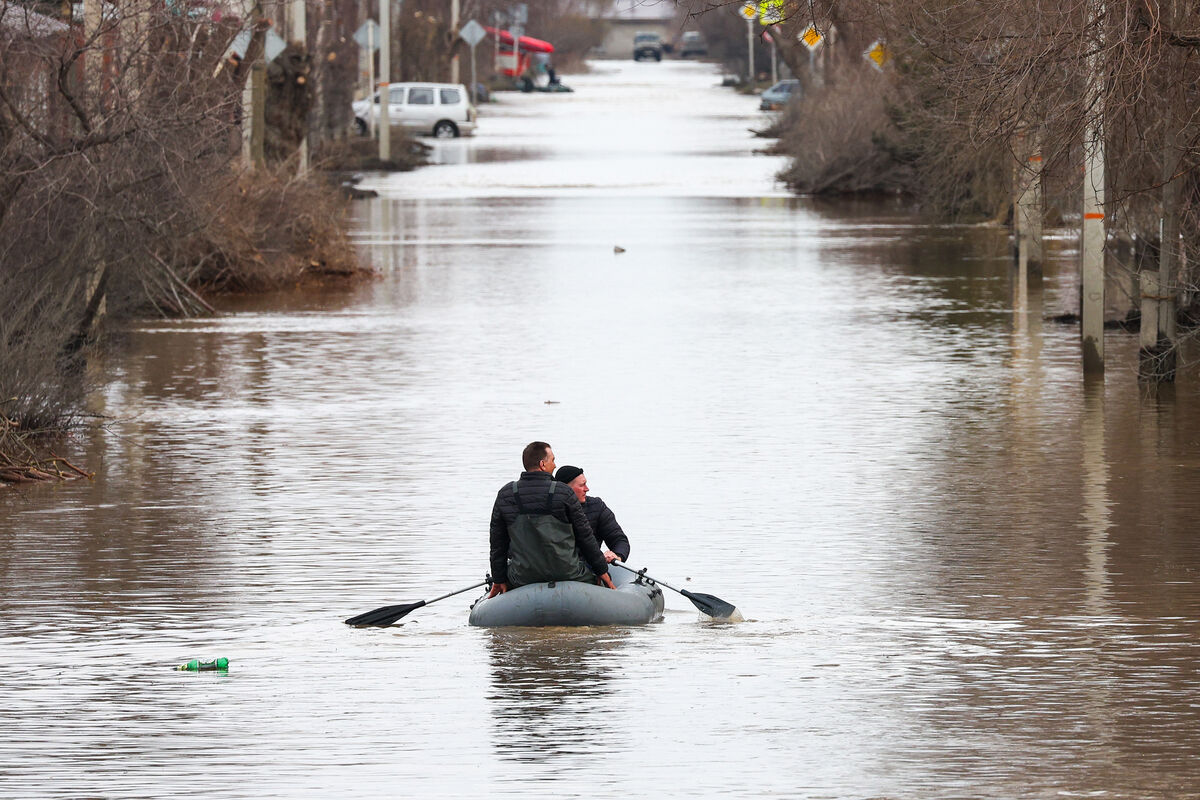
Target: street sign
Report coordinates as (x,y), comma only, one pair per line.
(770,12)
(749,11)
(811,37)
(472,33)
(272,46)
(878,54)
(368,34)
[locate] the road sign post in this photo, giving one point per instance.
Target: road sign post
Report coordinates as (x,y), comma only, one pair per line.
(749,12)
(472,33)
(367,37)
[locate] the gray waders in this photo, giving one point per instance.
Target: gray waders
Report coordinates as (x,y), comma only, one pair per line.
(542,547)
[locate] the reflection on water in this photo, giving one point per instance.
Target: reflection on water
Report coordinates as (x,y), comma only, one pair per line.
(968,572)
(544,683)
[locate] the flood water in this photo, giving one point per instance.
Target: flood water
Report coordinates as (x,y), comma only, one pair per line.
(965,571)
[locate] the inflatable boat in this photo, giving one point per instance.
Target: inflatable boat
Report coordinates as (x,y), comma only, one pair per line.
(638,600)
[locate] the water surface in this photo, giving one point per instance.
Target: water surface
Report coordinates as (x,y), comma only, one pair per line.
(966,571)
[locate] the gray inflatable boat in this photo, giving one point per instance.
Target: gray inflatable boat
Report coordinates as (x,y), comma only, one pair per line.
(637,600)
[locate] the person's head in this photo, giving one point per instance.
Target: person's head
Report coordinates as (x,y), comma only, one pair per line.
(573,477)
(538,457)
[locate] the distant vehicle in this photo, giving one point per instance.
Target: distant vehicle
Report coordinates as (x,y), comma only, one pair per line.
(778,95)
(443,110)
(692,44)
(647,45)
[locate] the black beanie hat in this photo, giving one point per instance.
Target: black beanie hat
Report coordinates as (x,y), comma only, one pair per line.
(566,474)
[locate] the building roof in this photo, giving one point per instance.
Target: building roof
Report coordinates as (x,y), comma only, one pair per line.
(641,11)
(19,21)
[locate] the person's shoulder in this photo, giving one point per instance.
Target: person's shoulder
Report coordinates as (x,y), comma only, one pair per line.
(600,504)
(564,491)
(505,489)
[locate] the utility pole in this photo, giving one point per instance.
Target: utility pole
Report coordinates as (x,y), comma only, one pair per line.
(300,36)
(1157,337)
(258,105)
(454,32)
(1028,216)
(1093,233)
(385,77)
(750,52)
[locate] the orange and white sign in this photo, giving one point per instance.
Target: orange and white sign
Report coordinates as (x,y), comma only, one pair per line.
(811,37)
(878,54)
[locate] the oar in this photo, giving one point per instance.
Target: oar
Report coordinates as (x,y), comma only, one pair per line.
(714,607)
(386,615)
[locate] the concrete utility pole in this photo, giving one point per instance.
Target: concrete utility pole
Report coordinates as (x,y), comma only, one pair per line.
(300,36)
(1093,233)
(385,77)
(454,32)
(1028,216)
(750,52)
(253,111)
(258,104)
(1157,339)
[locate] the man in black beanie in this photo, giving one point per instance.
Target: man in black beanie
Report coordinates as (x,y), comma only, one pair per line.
(539,532)
(604,523)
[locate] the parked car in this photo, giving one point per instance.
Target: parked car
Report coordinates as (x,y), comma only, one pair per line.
(443,110)
(778,95)
(647,45)
(692,44)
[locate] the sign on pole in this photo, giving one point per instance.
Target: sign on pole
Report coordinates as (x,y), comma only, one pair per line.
(472,33)
(749,12)
(878,54)
(770,12)
(811,37)
(367,35)
(273,45)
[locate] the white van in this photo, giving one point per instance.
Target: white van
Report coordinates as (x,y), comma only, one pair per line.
(443,110)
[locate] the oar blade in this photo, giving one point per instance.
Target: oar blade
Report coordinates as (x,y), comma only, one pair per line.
(712,606)
(384,616)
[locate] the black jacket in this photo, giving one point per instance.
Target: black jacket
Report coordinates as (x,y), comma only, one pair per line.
(565,506)
(605,527)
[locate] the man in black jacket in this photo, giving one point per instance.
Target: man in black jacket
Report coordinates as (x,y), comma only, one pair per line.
(604,523)
(539,532)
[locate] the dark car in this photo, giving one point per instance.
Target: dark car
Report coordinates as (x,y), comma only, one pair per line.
(778,95)
(647,45)
(692,44)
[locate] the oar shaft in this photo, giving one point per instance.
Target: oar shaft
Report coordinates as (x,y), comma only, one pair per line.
(639,572)
(457,591)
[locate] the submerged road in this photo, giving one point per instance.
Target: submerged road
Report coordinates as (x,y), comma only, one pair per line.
(965,572)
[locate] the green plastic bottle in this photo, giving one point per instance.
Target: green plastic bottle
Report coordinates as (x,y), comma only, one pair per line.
(196,665)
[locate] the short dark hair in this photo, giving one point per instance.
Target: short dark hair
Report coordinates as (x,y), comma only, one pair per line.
(533,454)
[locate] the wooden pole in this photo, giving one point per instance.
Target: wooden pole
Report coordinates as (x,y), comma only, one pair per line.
(1093,233)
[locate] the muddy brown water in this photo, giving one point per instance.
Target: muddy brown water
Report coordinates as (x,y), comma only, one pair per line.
(966,572)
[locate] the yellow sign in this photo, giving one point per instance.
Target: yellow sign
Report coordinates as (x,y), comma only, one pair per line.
(749,11)
(878,54)
(811,37)
(770,12)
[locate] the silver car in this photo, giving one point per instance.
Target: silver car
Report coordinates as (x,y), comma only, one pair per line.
(443,110)
(778,95)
